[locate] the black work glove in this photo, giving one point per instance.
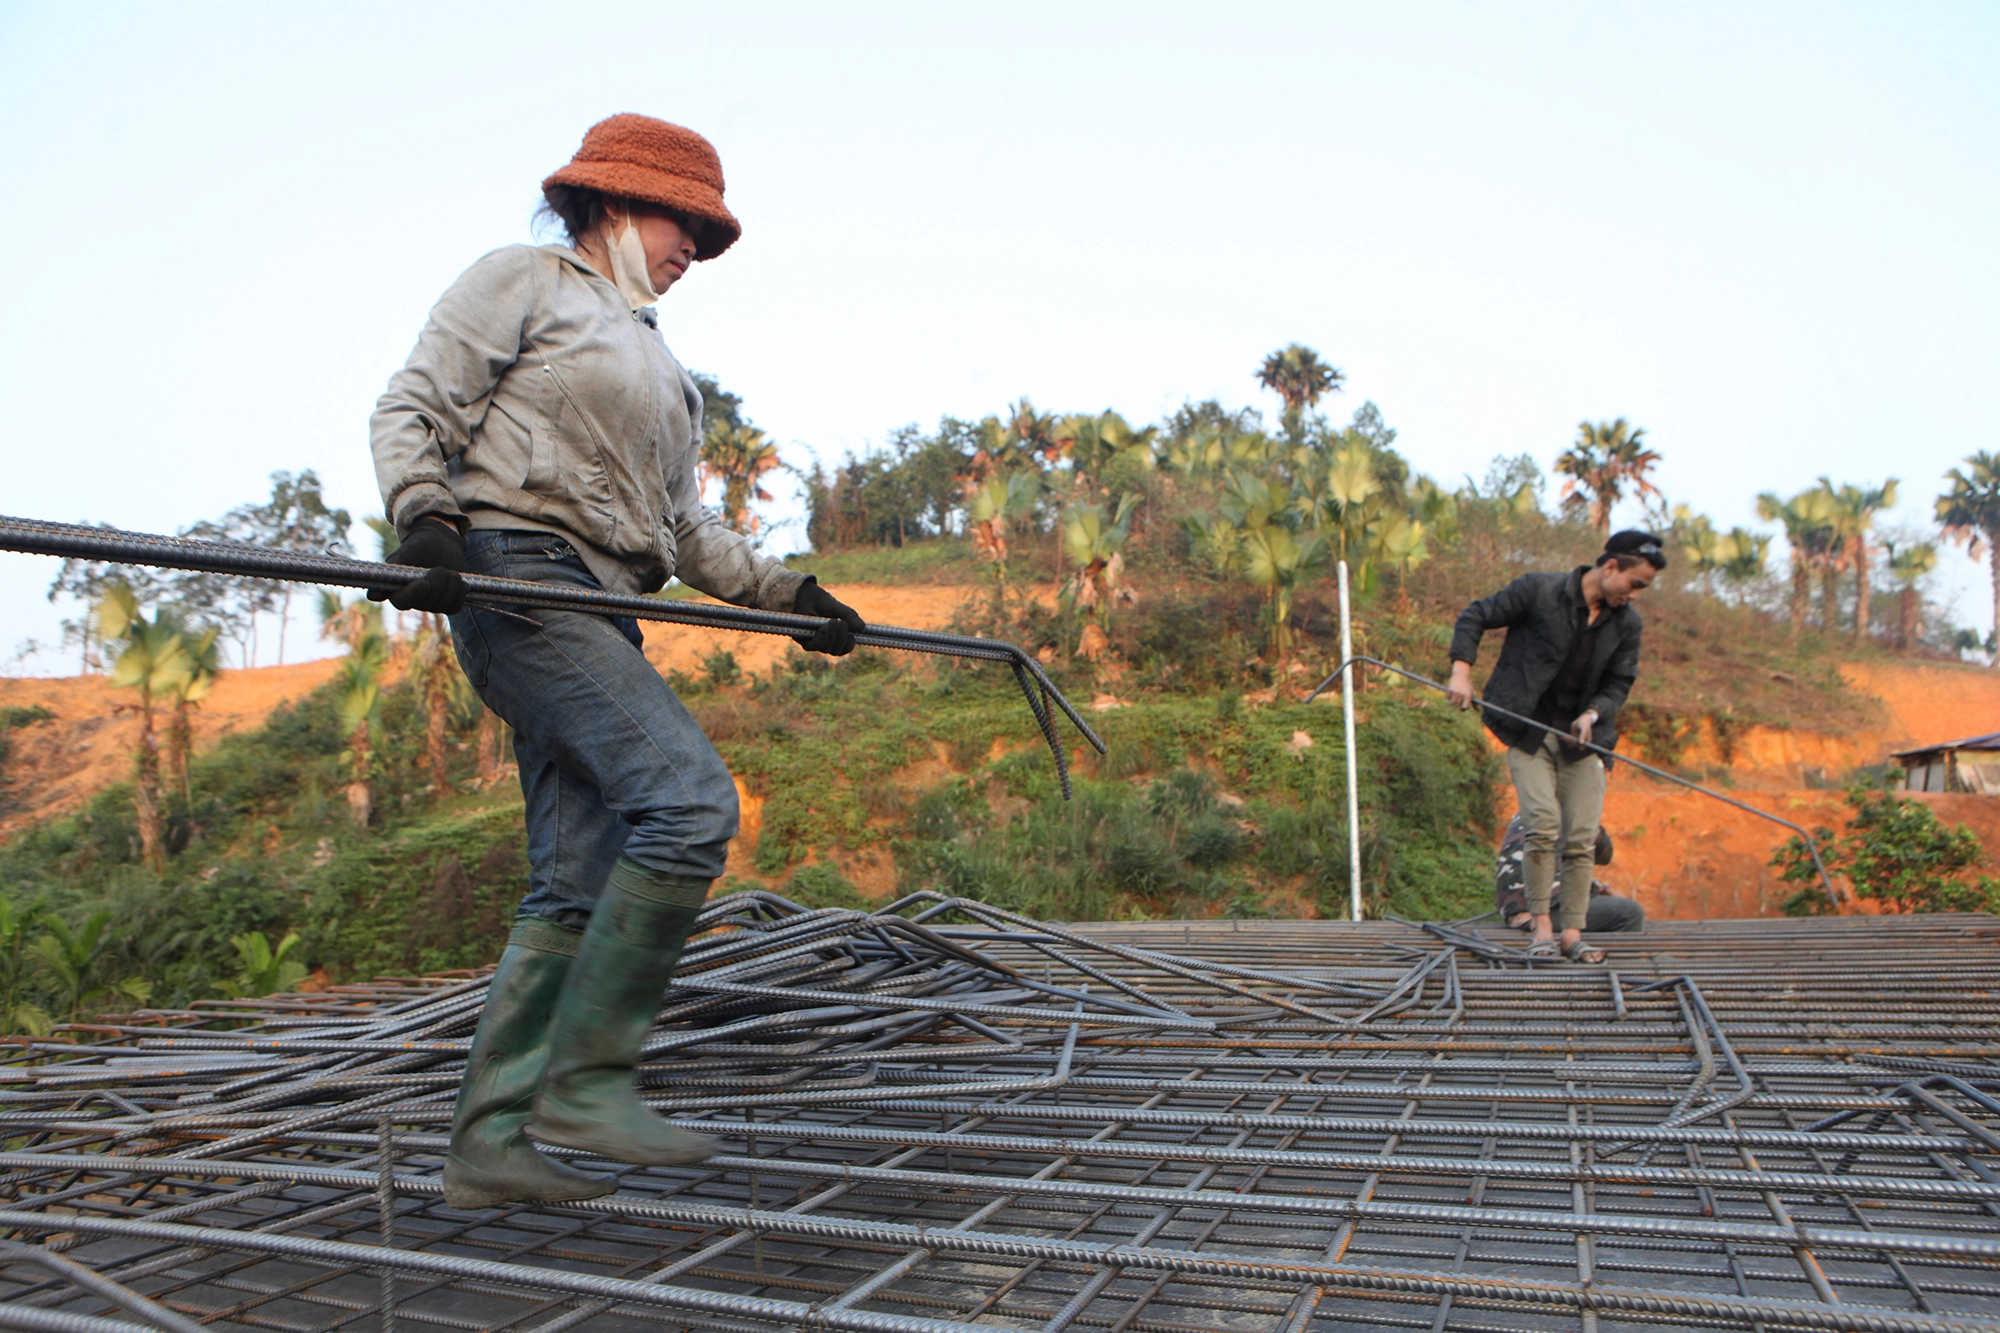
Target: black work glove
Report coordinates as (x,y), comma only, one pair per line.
(434,546)
(843,622)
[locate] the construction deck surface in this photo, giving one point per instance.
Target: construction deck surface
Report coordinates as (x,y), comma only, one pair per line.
(970,1120)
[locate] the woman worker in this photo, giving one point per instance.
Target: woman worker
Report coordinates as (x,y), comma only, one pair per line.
(542,430)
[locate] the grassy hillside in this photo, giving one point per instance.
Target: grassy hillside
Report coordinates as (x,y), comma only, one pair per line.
(1222,792)
(1202,806)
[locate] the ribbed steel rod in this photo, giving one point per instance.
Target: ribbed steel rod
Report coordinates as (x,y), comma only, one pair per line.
(112,545)
(1602,1298)
(1844,1238)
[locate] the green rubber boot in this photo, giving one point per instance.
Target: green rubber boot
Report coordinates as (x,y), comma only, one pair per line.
(589,1098)
(491,1161)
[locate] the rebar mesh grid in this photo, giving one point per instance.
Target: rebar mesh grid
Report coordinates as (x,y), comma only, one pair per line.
(947,1117)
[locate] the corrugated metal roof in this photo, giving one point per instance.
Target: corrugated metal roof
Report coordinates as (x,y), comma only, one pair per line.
(1990,741)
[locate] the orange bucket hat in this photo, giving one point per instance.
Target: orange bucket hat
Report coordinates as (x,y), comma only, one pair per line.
(637,157)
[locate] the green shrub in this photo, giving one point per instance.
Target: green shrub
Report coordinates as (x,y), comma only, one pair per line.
(1896,850)
(822,885)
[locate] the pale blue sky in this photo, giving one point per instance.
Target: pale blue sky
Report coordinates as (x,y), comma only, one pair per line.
(1768,233)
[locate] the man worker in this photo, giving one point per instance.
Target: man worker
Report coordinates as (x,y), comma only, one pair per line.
(1569,659)
(1610,911)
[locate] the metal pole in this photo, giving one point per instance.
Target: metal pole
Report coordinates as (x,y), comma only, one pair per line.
(1347,720)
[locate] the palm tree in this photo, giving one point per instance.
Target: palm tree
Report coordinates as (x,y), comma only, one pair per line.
(297,519)
(487,750)
(154,662)
(1253,537)
(1855,508)
(1297,375)
(1340,499)
(77,958)
(738,456)
(1107,451)
(1808,521)
(1032,434)
(1970,513)
(17,1012)
(357,688)
(1906,567)
(1278,560)
(434,671)
(990,505)
(1094,539)
(348,622)
(358,624)
(1606,458)
(204,663)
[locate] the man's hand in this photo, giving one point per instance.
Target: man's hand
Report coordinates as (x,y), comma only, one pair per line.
(836,637)
(434,546)
(1583,730)
(1459,690)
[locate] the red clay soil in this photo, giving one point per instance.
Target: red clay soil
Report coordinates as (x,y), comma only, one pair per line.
(1686,857)
(57,765)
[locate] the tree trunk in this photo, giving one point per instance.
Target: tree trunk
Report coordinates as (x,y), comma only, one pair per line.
(1829,599)
(1862,592)
(146,786)
(1906,618)
(437,705)
(489,744)
(1801,590)
(1993,559)
(360,800)
(180,741)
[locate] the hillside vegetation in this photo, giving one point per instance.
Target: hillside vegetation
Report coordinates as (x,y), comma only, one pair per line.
(1175,578)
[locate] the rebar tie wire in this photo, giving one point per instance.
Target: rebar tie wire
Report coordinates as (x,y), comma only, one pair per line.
(1811,847)
(114,545)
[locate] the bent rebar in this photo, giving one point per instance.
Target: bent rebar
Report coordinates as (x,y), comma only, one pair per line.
(77,541)
(1811,847)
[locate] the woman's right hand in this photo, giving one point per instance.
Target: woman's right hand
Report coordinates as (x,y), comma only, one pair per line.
(435,546)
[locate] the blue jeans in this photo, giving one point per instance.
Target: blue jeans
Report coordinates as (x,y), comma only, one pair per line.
(611,762)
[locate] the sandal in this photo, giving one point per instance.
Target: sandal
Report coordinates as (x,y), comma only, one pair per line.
(1578,951)
(1543,949)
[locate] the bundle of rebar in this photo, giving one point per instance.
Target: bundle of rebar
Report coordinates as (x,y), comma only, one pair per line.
(941,1116)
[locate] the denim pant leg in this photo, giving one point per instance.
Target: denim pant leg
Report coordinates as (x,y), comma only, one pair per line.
(611,762)
(574,837)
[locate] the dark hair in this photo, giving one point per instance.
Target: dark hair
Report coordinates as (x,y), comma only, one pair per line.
(578,208)
(1601,853)
(1631,547)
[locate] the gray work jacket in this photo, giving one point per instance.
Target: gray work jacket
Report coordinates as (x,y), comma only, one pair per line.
(536,397)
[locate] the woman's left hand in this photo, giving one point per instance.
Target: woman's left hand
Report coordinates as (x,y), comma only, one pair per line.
(836,637)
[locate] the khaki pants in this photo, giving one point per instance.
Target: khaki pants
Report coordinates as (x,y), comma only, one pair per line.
(1562,799)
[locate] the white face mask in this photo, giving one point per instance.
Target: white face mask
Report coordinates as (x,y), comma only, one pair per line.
(629,271)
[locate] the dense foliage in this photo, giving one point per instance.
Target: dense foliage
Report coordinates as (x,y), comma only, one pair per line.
(1895,851)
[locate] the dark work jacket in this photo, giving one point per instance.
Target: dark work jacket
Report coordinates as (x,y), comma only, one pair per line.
(1539,613)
